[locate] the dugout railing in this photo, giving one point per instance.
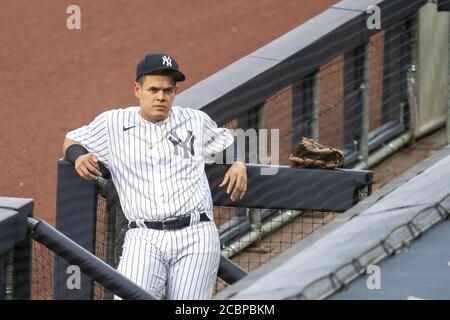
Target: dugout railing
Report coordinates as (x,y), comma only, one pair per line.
(18,228)
(75,243)
(77,213)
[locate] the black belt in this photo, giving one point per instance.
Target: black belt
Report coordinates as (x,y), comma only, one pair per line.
(171,223)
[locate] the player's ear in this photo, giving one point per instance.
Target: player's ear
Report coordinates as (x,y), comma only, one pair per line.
(176,88)
(137,89)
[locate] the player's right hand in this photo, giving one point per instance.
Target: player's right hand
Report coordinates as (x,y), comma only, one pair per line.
(87,166)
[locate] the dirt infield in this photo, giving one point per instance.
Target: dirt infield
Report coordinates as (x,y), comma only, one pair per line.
(54,79)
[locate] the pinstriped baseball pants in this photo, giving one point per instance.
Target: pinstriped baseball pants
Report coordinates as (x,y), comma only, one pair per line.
(173,264)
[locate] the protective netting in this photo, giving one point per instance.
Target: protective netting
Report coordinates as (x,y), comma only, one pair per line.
(100,245)
(257,235)
(254,236)
(376,80)
(42,272)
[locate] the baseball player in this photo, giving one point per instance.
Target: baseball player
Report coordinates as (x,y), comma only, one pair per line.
(156,154)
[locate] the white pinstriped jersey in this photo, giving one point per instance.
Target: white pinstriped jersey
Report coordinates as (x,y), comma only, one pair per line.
(167,180)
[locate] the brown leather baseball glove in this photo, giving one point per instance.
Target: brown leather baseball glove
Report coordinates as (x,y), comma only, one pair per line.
(310,154)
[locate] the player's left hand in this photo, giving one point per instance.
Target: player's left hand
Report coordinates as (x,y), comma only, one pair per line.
(236,177)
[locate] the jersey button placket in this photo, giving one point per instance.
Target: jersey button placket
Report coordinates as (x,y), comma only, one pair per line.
(157,163)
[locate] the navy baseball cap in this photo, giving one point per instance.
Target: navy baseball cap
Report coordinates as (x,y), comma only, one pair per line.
(159,63)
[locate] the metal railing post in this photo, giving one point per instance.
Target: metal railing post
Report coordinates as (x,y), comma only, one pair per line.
(316,107)
(365,88)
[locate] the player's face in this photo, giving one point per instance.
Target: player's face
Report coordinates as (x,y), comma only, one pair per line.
(155,96)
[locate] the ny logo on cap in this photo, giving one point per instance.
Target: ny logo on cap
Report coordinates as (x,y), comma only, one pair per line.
(167,61)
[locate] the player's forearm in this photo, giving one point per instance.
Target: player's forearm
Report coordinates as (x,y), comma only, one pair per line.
(67,143)
(73,150)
